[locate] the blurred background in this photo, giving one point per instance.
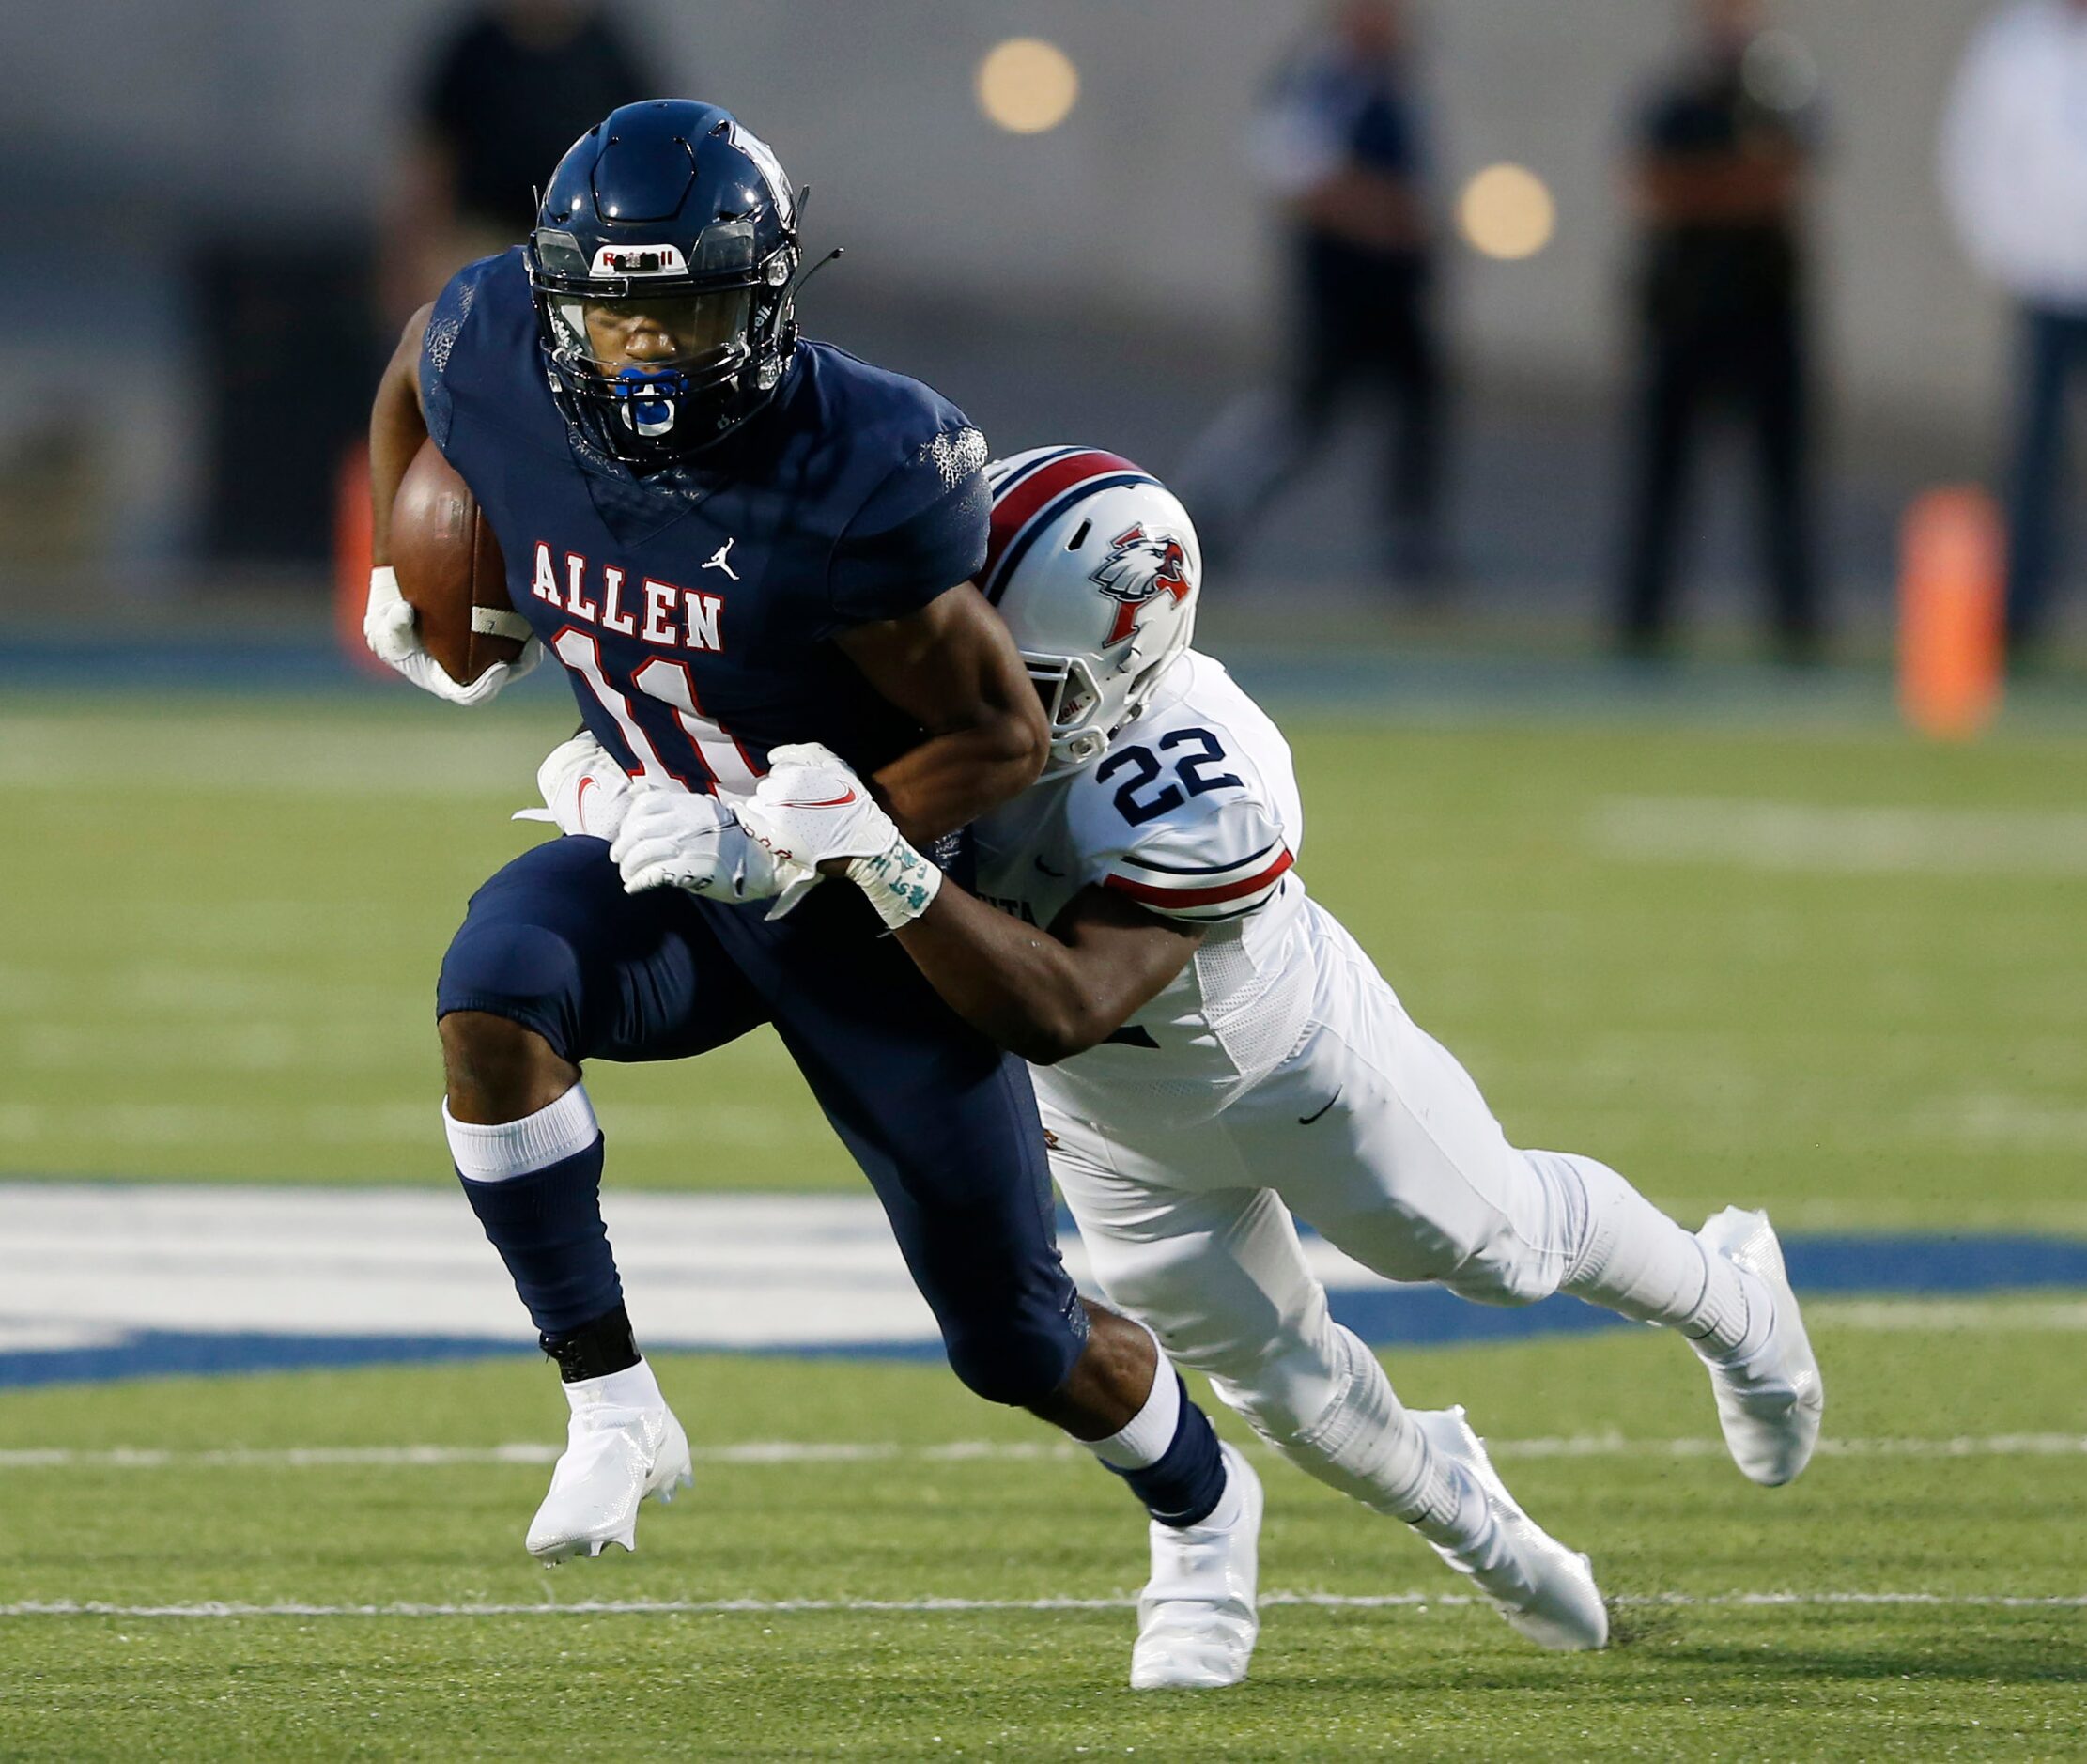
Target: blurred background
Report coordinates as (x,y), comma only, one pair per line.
(1078,220)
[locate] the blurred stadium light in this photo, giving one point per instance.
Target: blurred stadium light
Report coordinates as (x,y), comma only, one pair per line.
(1027,86)
(1508,213)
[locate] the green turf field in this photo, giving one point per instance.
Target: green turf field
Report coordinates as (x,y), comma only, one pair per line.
(1678,1540)
(1826,971)
(1841,974)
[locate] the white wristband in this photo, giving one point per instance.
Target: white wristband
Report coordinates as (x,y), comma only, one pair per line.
(900,884)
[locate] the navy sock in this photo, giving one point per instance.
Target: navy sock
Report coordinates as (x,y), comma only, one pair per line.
(1186,1485)
(547,1229)
(594,1349)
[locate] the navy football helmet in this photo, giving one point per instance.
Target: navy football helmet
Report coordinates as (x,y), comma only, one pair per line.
(663,266)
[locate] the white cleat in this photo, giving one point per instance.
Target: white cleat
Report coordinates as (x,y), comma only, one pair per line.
(622,1444)
(1196,1618)
(1544,1590)
(1769,1403)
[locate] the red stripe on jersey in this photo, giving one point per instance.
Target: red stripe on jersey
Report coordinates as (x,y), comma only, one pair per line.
(1020,506)
(1201,897)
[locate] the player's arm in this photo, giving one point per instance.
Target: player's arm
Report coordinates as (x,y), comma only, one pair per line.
(397,431)
(1047,995)
(398,426)
(955,669)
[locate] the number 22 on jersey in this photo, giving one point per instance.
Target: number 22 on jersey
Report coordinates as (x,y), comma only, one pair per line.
(1193,752)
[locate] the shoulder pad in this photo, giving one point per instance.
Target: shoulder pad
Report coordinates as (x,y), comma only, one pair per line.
(1206,862)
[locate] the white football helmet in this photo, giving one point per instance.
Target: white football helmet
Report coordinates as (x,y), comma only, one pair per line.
(1095,567)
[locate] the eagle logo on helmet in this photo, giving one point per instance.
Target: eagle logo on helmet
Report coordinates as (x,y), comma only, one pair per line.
(1140,568)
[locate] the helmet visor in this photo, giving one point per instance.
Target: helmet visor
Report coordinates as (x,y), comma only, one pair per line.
(687,332)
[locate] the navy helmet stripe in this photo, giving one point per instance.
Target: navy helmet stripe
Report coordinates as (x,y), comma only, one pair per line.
(1012,559)
(1028,467)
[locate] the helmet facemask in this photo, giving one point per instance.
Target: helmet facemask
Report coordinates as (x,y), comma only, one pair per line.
(1072,702)
(655,356)
(659,340)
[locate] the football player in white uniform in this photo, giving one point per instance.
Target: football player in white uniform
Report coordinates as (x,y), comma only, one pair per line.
(1212,1049)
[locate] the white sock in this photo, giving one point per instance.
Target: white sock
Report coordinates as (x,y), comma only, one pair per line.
(1143,1440)
(634,1387)
(519,1148)
(1636,1262)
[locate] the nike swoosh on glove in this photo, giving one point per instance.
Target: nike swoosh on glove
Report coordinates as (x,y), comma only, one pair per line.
(670,838)
(584,790)
(391,628)
(812,810)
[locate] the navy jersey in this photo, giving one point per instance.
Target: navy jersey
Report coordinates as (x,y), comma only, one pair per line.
(695,607)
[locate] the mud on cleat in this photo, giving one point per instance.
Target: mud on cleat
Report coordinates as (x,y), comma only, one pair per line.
(1770,1403)
(1546,1591)
(622,1444)
(1196,1617)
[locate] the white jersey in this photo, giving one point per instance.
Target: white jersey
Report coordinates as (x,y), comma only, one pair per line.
(1194,814)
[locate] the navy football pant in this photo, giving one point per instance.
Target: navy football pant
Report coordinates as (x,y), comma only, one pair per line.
(942,1122)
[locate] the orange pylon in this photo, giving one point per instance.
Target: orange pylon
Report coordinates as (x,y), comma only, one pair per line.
(352,549)
(1952,599)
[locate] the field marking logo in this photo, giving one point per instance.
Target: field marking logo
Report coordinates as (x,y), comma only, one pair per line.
(1140,567)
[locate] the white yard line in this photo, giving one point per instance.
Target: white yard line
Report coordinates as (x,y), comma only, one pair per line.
(959,1451)
(1810,838)
(1122,1602)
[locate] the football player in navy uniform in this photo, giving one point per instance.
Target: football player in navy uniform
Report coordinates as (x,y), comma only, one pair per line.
(733,539)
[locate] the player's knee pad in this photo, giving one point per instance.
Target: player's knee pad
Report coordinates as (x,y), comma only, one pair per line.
(1520,1261)
(1508,1277)
(1017,1368)
(523,972)
(1280,1390)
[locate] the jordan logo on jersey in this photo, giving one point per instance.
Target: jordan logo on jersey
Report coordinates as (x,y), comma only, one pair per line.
(656,612)
(1140,567)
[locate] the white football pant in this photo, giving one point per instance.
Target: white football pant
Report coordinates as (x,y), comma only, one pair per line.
(1373,1133)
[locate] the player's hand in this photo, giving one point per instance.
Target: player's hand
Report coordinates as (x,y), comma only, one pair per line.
(585,790)
(390,629)
(670,838)
(816,817)
(812,810)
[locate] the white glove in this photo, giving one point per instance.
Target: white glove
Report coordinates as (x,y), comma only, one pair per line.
(671,837)
(390,629)
(812,810)
(585,790)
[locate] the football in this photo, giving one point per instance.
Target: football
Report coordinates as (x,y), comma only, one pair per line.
(451,572)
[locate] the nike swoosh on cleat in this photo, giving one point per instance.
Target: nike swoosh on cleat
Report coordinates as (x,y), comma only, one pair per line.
(832,802)
(1306,1121)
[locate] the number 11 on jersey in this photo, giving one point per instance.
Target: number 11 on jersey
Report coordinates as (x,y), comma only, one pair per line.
(723,765)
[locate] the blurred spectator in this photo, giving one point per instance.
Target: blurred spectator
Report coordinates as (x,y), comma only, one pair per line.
(1719,177)
(1341,141)
(2014,175)
(511,88)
